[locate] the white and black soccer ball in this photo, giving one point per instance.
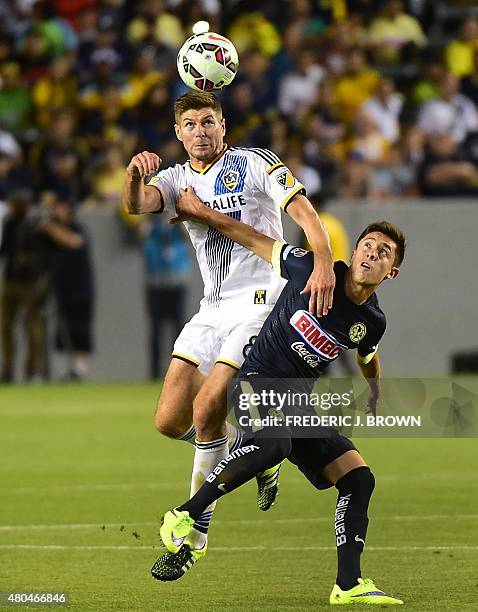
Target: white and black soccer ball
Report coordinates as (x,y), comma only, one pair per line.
(207,62)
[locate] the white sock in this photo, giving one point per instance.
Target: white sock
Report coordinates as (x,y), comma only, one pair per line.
(189,435)
(206,457)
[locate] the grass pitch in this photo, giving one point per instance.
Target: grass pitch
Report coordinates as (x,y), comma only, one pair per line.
(85,478)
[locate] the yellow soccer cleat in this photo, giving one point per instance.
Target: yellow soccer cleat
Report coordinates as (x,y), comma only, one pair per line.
(364,593)
(175,528)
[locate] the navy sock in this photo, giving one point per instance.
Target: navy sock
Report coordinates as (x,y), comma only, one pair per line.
(351,521)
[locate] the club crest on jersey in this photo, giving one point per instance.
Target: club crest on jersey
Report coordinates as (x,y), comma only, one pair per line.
(323,343)
(285,179)
(230,179)
(357,332)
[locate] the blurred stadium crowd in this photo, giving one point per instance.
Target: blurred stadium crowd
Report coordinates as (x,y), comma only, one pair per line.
(372,99)
(361,98)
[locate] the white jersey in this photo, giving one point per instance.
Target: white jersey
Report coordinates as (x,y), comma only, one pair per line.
(250,185)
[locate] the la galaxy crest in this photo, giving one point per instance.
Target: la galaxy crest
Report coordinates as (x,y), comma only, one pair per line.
(230,179)
(357,332)
(285,179)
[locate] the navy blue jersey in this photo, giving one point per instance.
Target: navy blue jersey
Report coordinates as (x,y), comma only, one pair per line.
(295,344)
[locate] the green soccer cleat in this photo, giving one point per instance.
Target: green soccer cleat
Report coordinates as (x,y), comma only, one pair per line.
(364,593)
(172,567)
(175,526)
(267,487)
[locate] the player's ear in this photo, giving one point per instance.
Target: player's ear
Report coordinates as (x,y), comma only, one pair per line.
(394,272)
(351,256)
(178,132)
(223,123)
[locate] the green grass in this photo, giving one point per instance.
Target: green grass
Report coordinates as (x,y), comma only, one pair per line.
(83,461)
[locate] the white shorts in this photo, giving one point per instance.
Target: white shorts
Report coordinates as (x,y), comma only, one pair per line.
(219,336)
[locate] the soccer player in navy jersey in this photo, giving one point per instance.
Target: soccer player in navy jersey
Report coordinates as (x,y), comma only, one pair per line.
(294,344)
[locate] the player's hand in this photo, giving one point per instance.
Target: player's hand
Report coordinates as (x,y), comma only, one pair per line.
(321,286)
(373,397)
(143,164)
(188,206)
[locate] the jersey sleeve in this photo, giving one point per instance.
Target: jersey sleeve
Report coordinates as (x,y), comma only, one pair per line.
(275,179)
(367,349)
(167,183)
(291,262)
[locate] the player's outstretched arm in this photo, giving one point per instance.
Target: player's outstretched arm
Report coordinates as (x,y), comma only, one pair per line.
(136,197)
(321,282)
(372,371)
(190,207)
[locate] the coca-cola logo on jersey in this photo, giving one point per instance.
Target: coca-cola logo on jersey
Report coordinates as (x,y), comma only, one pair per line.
(311,359)
(323,343)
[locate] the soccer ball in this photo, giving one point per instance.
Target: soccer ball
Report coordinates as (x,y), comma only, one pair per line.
(207,61)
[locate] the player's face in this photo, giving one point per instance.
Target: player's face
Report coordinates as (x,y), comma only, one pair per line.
(202,134)
(373,260)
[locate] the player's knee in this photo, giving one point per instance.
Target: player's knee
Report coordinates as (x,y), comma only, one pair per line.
(168,426)
(360,480)
(277,449)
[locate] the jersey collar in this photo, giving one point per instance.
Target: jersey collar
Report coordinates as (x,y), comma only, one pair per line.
(213,161)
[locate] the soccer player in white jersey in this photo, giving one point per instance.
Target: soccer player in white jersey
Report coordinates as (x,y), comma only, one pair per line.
(250,185)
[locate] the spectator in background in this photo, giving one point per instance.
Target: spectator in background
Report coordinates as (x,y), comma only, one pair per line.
(307,175)
(392,177)
(255,70)
(15,102)
(244,119)
(107,180)
(426,87)
(104,73)
(384,108)
(152,119)
(56,90)
(112,122)
(65,180)
(394,36)
(167,273)
(24,289)
(298,89)
(322,126)
(336,44)
(450,112)
(60,136)
(59,36)
(459,53)
(33,55)
(165,25)
(73,284)
(251,30)
(444,171)
(12,173)
(104,36)
(143,76)
(365,150)
(469,84)
(355,85)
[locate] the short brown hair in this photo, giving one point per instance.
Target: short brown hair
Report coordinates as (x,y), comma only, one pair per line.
(390,230)
(196,100)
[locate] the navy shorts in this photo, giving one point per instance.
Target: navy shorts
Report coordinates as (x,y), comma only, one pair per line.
(313,448)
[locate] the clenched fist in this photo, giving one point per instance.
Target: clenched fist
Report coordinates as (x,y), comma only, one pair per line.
(143,164)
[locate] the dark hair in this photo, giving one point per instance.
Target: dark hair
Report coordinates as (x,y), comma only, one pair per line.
(196,100)
(390,230)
